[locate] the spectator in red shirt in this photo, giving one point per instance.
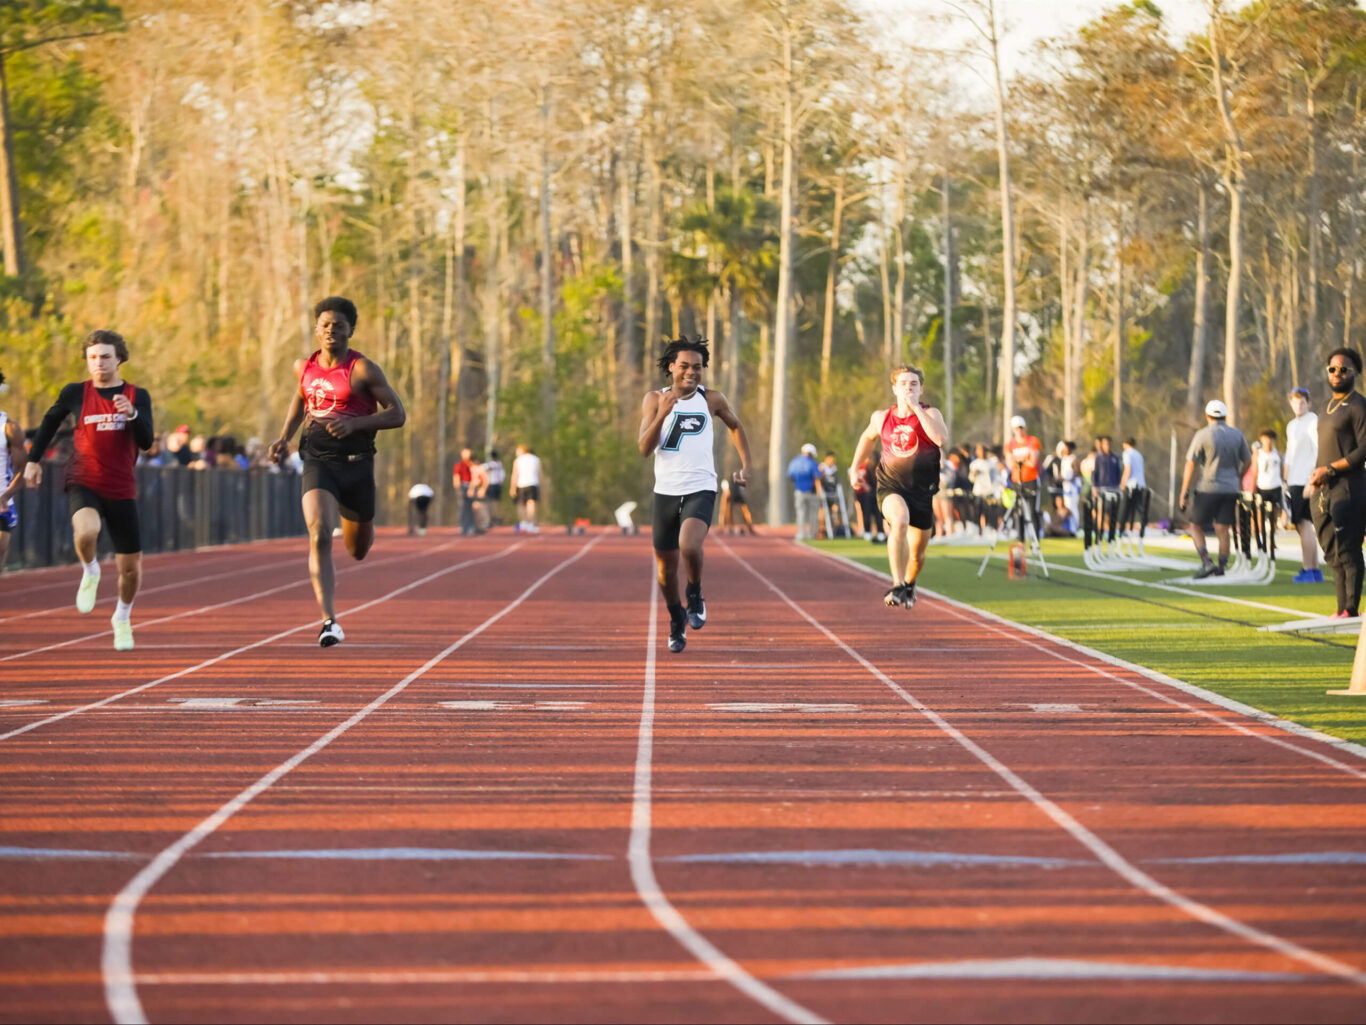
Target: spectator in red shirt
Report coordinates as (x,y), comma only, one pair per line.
(463,479)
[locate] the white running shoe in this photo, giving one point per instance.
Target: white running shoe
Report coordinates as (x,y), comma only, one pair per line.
(86,593)
(123,634)
(330,634)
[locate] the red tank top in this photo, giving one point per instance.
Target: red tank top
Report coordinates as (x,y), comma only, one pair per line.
(909,457)
(105,451)
(327,390)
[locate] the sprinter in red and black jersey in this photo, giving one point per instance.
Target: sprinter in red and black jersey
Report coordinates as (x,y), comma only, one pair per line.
(912,436)
(113,421)
(342,400)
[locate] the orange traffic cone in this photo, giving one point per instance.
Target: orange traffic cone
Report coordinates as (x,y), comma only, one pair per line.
(1357,688)
(1014,568)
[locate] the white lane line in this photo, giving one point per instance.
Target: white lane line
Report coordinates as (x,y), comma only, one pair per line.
(434,976)
(1012,629)
(221,605)
(642,867)
(193,581)
(116,961)
(249,647)
(1107,855)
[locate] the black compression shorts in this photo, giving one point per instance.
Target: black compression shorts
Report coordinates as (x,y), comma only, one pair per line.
(350,482)
(1207,509)
(919,502)
(672,510)
(120,516)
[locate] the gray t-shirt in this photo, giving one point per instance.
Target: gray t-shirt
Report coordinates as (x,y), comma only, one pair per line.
(1218,452)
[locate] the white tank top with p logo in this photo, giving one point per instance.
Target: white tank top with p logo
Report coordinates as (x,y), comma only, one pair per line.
(684,461)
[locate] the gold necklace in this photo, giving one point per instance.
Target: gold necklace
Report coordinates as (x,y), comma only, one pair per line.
(1332,408)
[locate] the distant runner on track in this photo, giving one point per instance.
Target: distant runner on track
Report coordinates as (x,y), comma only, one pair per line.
(676,426)
(12,460)
(912,435)
(113,421)
(342,400)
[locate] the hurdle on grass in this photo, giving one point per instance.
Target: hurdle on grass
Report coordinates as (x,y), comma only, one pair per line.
(1252,547)
(1113,524)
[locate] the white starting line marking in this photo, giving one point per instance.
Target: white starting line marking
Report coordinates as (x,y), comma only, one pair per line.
(513,706)
(1057,709)
(779,706)
(15,702)
(219,703)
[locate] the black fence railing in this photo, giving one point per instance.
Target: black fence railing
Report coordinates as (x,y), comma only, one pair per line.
(179,508)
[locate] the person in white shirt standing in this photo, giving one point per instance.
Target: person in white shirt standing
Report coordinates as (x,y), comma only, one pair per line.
(676,428)
(1133,484)
(1301,456)
(525,487)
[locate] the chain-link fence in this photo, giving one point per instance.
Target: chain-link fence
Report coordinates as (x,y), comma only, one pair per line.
(179,508)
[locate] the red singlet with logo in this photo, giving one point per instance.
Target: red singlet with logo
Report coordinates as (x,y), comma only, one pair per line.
(327,395)
(909,458)
(105,452)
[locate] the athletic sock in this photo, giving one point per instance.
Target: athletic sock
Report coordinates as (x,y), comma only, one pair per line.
(92,567)
(1223,562)
(1203,553)
(123,610)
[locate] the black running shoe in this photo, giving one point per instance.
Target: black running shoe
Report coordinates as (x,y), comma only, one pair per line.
(330,634)
(908,599)
(1209,569)
(697,609)
(678,629)
(896,596)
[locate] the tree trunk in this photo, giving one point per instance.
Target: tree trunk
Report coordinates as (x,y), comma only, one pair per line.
(1311,326)
(547,269)
(1007,234)
(628,297)
(1234,183)
(1195,374)
(831,273)
(652,254)
(11,228)
(783,319)
(948,308)
(1117,385)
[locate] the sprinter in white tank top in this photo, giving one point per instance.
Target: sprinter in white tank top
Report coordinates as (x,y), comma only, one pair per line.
(676,427)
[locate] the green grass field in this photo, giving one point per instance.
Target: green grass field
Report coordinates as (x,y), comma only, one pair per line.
(1201,640)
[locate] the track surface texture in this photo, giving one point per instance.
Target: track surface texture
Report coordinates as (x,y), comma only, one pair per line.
(503,799)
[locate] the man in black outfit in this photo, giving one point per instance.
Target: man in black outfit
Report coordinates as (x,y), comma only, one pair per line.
(1338,483)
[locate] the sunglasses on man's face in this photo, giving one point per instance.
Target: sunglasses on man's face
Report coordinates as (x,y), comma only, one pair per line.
(1334,369)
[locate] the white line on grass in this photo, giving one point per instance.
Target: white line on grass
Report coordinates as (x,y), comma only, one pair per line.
(116,963)
(248,647)
(221,605)
(642,867)
(1346,747)
(1106,854)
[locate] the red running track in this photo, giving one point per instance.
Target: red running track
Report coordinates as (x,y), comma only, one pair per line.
(502,799)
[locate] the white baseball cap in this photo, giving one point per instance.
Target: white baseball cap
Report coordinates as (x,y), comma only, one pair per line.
(1216,408)
(1017,421)
(809,449)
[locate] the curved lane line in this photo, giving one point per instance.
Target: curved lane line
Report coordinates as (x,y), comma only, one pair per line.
(116,961)
(1107,855)
(642,868)
(248,647)
(995,623)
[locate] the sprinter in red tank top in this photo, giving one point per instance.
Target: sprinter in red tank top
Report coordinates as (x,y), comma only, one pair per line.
(113,421)
(342,400)
(912,436)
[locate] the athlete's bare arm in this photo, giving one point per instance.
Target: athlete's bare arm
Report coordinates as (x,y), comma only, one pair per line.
(14,438)
(654,409)
(279,448)
(866,441)
(933,422)
(720,408)
(368,377)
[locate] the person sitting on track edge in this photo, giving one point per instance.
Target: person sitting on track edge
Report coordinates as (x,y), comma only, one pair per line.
(912,436)
(342,400)
(113,421)
(676,427)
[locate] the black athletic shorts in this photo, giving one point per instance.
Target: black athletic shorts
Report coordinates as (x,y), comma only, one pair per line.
(1208,509)
(350,481)
(672,510)
(919,501)
(120,516)
(1298,505)
(493,493)
(530,493)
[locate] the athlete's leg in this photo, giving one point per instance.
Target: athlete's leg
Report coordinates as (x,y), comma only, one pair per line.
(357,536)
(1223,531)
(919,541)
(85,533)
(749,520)
(898,518)
(1309,545)
(531,511)
(4,547)
(666,565)
(690,537)
(321,515)
(130,575)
